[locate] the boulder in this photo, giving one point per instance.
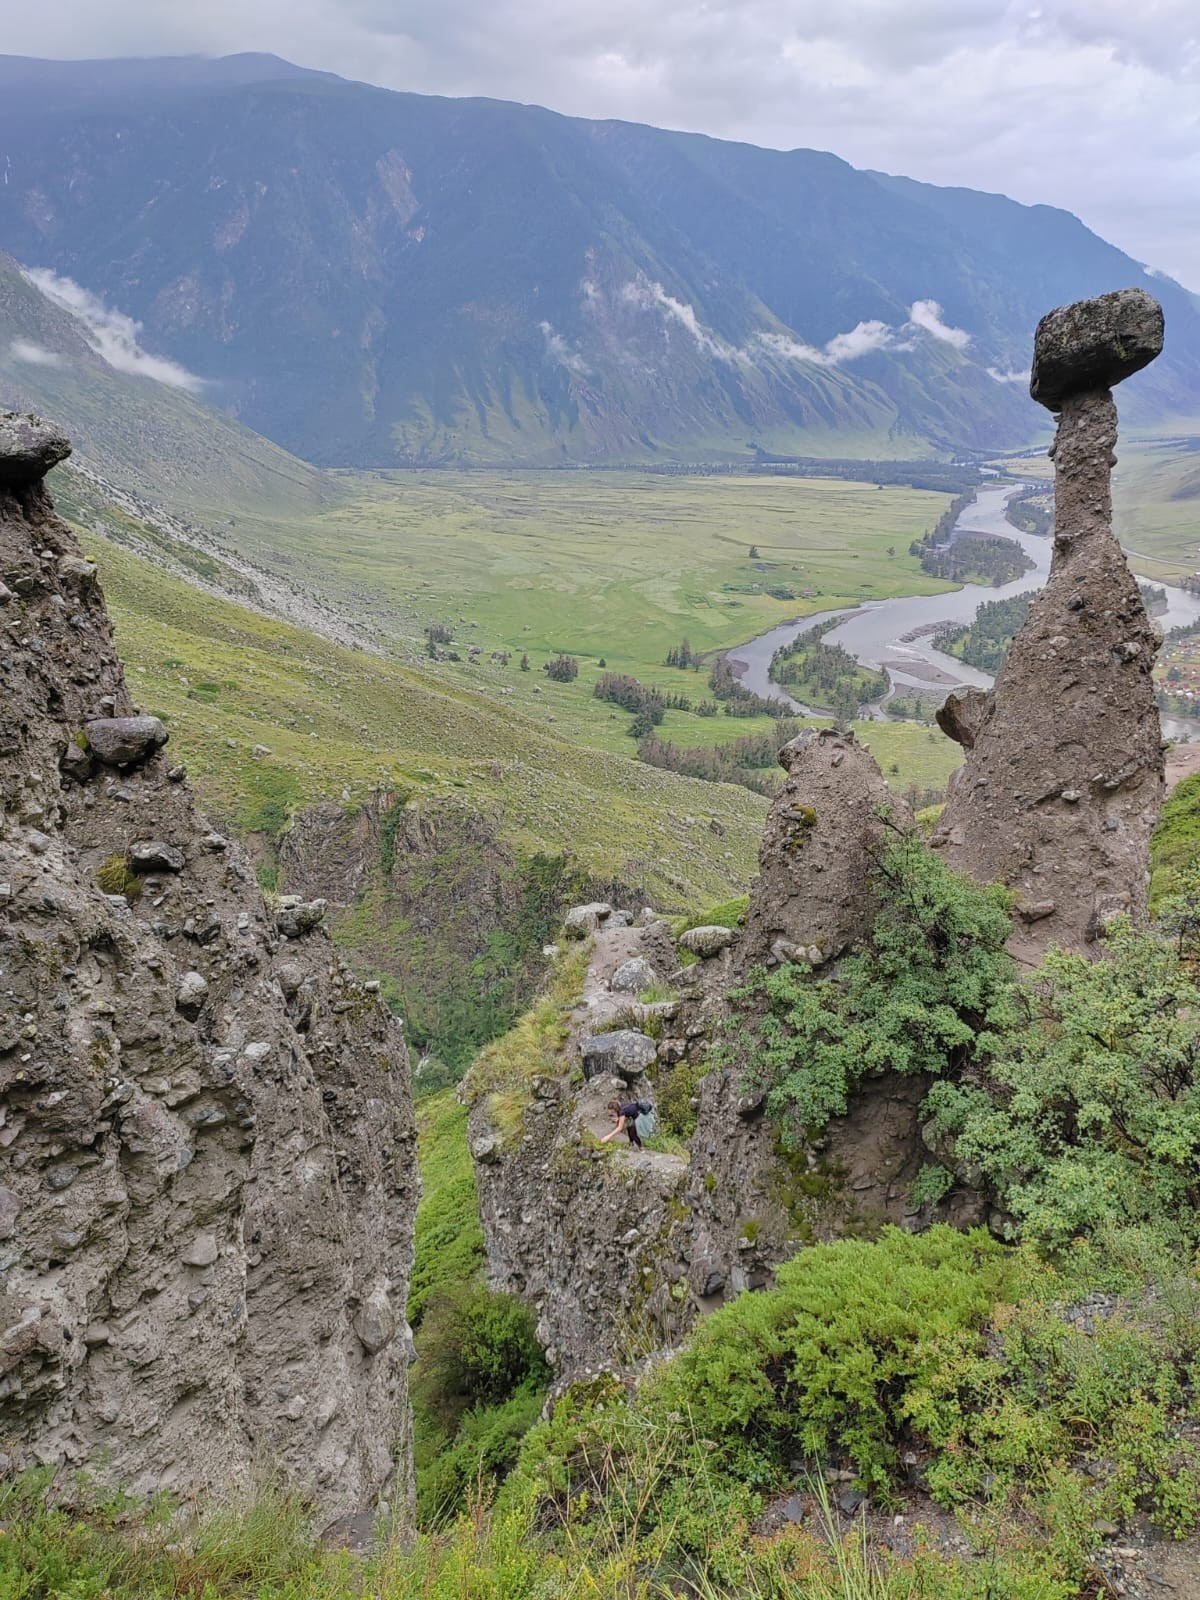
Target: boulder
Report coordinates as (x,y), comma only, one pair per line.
(1094,344)
(125,741)
(295,917)
(632,976)
(963,713)
(624,1053)
(582,921)
(29,447)
(708,940)
(155,855)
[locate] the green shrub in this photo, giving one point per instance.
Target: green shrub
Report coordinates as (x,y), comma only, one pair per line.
(926,995)
(480,1452)
(477,1347)
(1090,1113)
(115,876)
(675,1095)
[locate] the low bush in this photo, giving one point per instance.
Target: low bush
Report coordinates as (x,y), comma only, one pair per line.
(928,994)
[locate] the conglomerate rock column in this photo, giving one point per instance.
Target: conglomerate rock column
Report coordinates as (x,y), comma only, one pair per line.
(207,1166)
(1063,780)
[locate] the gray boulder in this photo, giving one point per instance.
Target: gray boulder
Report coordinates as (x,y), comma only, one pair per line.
(963,714)
(632,976)
(29,447)
(155,855)
(295,917)
(125,741)
(625,1053)
(1094,344)
(582,921)
(707,941)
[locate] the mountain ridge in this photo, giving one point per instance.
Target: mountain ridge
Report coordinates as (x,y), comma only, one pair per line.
(378,278)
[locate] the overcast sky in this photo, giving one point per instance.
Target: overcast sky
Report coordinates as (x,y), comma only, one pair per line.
(1089,104)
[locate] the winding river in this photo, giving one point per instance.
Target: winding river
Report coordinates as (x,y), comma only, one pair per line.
(897,634)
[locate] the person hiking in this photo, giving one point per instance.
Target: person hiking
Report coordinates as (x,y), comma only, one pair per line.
(625,1114)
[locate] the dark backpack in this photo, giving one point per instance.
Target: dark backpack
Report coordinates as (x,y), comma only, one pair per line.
(645,1107)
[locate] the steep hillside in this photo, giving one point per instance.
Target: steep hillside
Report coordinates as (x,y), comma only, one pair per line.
(377,278)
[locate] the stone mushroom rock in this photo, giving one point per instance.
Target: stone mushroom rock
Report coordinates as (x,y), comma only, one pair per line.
(1063,780)
(1094,344)
(812,897)
(623,1053)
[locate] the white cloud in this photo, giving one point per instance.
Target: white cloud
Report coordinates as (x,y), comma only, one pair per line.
(559,350)
(927,314)
(647,296)
(33,355)
(1007,376)
(112,334)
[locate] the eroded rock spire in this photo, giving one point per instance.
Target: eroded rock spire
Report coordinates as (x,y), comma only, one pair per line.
(207,1167)
(1063,779)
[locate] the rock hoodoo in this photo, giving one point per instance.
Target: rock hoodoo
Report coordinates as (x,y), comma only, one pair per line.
(812,897)
(207,1168)
(1063,780)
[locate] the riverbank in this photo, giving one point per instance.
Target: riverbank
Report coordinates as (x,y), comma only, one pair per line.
(897,635)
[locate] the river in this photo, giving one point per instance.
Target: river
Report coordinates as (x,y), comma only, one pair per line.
(897,634)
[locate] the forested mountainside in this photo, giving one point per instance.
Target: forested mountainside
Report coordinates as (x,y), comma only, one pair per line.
(375,278)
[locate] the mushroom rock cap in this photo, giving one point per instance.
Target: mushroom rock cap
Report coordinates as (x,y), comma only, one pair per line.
(29,447)
(1094,344)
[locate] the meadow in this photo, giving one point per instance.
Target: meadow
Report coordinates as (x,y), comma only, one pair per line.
(1156,500)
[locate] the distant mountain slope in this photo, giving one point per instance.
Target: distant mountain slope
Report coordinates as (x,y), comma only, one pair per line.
(374,278)
(160,442)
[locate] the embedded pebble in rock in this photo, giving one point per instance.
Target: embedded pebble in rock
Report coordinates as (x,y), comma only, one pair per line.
(188,1143)
(1063,783)
(707,941)
(202,1251)
(375,1323)
(294,918)
(191,991)
(963,713)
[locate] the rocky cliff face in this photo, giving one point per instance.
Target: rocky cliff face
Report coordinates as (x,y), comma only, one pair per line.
(591,1235)
(1063,780)
(207,1167)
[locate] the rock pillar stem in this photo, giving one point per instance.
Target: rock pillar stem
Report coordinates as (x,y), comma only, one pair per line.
(1083,462)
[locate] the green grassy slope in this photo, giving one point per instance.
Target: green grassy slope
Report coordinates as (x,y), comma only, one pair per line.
(339,723)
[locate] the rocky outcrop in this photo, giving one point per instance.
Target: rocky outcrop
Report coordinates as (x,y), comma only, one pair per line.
(1063,780)
(813,896)
(620,1250)
(593,1236)
(207,1170)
